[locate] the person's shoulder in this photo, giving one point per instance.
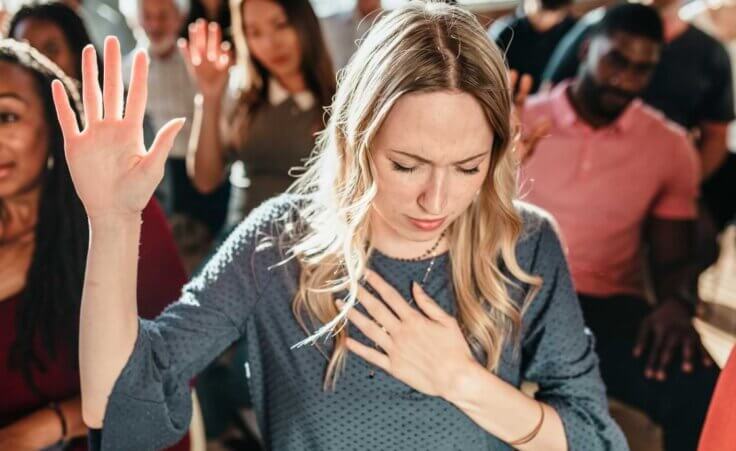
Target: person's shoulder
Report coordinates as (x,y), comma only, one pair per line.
(655,122)
(539,235)
(258,239)
(275,212)
(706,44)
(540,102)
(695,34)
(676,145)
(536,221)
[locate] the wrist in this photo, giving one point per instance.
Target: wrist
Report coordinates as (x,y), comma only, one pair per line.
(39,430)
(63,424)
(687,303)
(208,100)
(463,382)
(115,220)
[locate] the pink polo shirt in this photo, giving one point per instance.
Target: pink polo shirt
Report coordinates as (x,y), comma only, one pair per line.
(601,185)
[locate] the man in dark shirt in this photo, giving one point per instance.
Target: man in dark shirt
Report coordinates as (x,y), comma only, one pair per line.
(692,84)
(530,35)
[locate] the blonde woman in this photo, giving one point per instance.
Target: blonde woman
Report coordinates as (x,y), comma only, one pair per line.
(404,224)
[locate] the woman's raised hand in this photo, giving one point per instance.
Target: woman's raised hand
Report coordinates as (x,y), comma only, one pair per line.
(207,58)
(110,167)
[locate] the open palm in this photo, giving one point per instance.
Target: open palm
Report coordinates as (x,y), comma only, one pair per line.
(112,171)
(207,57)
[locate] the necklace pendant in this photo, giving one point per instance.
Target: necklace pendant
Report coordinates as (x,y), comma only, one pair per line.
(371,374)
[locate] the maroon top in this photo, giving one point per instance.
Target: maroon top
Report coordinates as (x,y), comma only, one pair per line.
(160,278)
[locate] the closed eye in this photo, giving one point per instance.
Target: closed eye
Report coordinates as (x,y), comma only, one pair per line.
(401,168)
(470,171)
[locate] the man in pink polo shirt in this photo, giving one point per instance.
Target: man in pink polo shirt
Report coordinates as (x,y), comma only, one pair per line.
(617,176)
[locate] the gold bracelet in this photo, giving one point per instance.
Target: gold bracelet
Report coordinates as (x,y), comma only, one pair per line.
(529,437)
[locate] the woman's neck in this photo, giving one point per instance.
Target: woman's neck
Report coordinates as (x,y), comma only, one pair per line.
(19,216)
(390,243)
(545,20)
(293,83)
(674,26)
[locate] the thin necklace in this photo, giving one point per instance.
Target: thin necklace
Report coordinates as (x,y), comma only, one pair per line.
(428,252)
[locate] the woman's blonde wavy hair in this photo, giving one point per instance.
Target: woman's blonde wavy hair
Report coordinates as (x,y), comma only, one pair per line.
(420,47)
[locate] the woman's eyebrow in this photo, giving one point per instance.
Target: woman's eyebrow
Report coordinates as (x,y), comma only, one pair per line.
(424,160)
(12,95)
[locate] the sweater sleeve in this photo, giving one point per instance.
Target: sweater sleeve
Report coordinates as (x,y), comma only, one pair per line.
(150,404)
(558,353)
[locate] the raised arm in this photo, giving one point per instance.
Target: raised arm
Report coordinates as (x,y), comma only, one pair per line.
(208,61)
(114,176)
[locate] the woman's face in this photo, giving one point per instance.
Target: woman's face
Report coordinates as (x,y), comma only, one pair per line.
(47,38)
(272,40)
(431,156)
(23,131)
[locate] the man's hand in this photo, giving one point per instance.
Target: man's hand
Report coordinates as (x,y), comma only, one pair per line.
(665,332)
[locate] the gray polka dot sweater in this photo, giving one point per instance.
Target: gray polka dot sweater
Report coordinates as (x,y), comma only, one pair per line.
(242,293)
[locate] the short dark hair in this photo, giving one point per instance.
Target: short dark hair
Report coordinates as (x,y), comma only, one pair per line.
(632,18)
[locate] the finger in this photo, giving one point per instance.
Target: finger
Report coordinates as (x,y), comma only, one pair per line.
(525,87)
(642,339)
(135,108)
(531,141)
(200,39)
(194,50)
(91,94)
(665,357)
(654,352)
(214,39)
(390,296)
(688,350)
(512,78)
(112,80)
(428,305)
(64,111)
(707,359)
(225,56)
(183,46)
(378,310)
(370,355)
(159,151)
(370,329)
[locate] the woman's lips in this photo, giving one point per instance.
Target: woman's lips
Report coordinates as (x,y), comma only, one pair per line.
(427,225)
(280,60)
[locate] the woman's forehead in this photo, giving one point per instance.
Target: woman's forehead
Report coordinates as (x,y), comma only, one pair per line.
(17,82)
(440,126)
